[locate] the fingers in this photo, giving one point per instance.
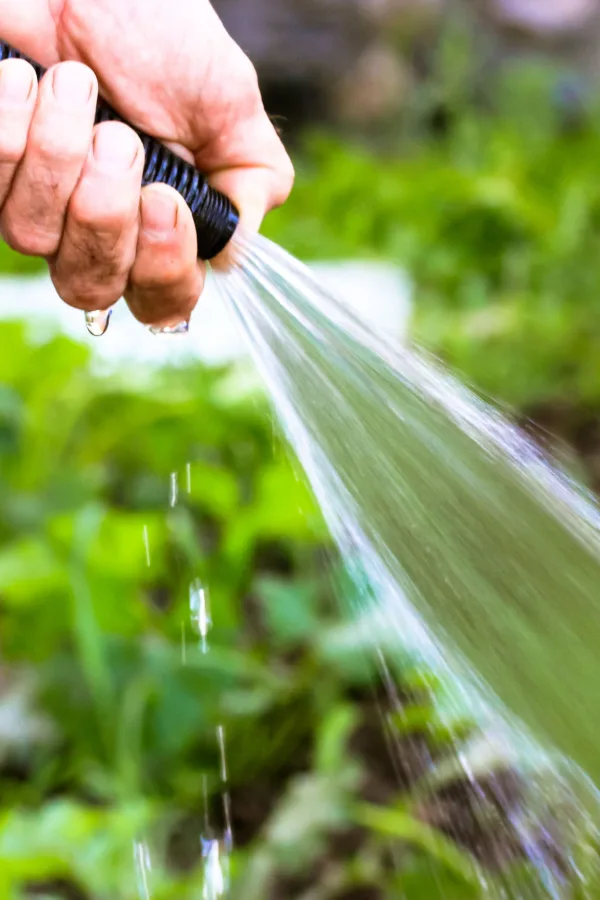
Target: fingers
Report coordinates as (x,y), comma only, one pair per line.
(103,236)
(166,279)
(60,132)
(18,93)
(72,193)
(120,240)
(99,241)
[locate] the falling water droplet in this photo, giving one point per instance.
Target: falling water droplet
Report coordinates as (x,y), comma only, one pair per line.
(188,478)
(97,321)
(205,802)
(173,489)
(214,877)
(222,752)
(200,612)
(228,832)
(146,545)
(228,836)
(216,853)
(143,868)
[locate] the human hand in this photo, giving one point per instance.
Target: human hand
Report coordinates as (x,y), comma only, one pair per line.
(71,192)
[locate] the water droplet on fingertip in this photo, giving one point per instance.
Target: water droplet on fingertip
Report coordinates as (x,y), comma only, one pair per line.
(180,328)
(96,321)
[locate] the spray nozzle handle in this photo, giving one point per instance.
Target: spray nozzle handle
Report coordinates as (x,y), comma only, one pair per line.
(215,216)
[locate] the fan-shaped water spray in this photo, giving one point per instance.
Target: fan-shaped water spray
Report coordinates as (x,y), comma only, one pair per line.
(458,534)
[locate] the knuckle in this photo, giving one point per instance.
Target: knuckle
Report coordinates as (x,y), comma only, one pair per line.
(98,257)
(250,76)
(20,236)
(42,182)
(98,215)
(82,213)
(55,148)
(246,84)
(13,142)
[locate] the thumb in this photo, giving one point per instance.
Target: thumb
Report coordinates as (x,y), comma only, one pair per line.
(29,26)
(255,191)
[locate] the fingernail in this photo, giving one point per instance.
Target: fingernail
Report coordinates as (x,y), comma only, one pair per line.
(159,212)
(115,146)
(72,84)
(16,82)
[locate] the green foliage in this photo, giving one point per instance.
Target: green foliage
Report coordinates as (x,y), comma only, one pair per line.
(496,222)
(12,263)
(113,709)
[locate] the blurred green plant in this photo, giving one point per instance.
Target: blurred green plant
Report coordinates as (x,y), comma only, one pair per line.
(496,220)
(12,263)
(108,708)
(106,737)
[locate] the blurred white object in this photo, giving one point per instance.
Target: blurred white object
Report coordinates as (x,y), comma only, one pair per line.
(378,293)
(381,294)
(21,726)
(545,16)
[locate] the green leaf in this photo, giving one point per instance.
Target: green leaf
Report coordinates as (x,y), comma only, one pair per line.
(290,609)
(214,489)
(331,751)
(29,570)
(284,506)
(400,824)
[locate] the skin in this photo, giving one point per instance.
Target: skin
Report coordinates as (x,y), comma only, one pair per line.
(71,192)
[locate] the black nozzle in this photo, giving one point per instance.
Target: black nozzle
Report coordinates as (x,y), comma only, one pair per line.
(215,216)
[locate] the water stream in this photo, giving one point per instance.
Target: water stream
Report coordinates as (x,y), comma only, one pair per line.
(477,552)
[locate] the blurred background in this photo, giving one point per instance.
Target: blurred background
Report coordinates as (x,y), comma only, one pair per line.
(449,152)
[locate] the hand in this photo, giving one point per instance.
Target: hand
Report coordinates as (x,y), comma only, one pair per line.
(70,192)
